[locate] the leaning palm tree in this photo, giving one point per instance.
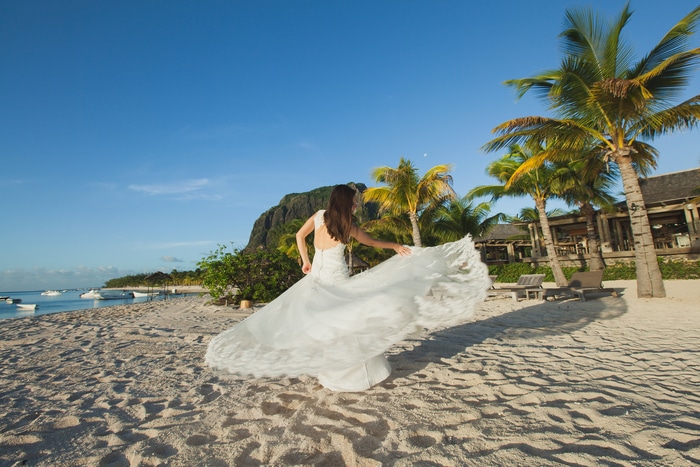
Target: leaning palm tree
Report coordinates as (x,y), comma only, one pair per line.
(535,183)
(600,92)
(404,192)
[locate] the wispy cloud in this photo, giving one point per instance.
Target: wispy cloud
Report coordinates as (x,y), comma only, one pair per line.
(186,186)
(184,190)
(307,145)
(171,259)
(12,182)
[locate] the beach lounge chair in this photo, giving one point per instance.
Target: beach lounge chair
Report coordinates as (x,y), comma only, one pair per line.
(527,286)
(580,285)
(493,280)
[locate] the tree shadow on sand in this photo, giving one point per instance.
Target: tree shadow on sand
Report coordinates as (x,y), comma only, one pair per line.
(540,320)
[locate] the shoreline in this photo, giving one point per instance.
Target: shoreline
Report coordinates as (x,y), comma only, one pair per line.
(179,288)
(610,380)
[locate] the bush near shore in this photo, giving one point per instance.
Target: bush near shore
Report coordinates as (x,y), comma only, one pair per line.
(177,278)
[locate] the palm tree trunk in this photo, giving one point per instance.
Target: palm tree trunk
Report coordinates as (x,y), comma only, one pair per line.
(559,276)
(414,225)
(650,284)
(595,259)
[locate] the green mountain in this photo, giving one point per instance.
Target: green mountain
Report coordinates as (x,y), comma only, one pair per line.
(301,206)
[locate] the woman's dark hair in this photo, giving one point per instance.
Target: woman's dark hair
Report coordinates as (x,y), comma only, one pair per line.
(338,215)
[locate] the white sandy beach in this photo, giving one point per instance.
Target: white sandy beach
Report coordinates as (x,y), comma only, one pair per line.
(610,381)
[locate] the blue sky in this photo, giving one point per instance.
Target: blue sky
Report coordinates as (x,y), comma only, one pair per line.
(136,136)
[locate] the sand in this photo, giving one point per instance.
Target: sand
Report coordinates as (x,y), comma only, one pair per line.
(610,381)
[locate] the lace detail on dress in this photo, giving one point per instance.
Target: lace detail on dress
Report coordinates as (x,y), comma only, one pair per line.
(328,265)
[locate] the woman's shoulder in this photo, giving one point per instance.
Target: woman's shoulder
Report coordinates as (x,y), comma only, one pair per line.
(318,217)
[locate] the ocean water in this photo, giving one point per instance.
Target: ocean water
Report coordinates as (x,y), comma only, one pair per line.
(69,300)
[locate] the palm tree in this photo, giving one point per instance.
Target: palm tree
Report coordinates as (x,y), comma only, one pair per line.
(532,214)
(599,92)
(587,187)
(534,183)
(405,192)
(460,217)
(287,241)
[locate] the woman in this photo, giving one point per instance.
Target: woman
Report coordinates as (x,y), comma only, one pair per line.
(337,328)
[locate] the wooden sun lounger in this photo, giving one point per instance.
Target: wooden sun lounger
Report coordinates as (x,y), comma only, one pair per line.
(581,283)
(527,285)
(493,280)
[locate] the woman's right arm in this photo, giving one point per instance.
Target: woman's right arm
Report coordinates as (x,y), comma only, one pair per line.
(302,233)
(362,237)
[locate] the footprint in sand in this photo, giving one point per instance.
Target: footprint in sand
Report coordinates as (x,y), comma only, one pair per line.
(200,440)
(114,459)
(160,450)
(210,392)
(66,422)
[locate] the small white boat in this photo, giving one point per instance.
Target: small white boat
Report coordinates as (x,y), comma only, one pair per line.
(51,292)
(144,294)
(91,294)
(27,306)
(13,300)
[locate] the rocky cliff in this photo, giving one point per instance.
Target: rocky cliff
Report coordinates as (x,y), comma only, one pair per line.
(301,206)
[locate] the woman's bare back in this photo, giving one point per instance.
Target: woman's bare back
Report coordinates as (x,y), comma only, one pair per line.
(323,240)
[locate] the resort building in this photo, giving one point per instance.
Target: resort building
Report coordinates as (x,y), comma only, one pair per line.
(672,207)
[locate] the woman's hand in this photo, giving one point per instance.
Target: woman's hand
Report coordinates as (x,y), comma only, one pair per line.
(306,268)
(402,250)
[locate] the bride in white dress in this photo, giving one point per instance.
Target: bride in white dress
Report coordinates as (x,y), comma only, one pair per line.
(337,327)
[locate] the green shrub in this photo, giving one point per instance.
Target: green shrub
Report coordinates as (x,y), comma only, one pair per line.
(621,272)
(260,275)
(679,269)
(670,269)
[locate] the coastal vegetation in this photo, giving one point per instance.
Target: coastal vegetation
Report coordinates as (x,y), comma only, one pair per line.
(670,270)
(232,275)
(142,280)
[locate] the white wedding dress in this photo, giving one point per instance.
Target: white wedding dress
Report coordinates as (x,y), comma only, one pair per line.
(337,327)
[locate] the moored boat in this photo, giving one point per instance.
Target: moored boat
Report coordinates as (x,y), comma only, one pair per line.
(144,294)
(11,300)
(27,306)
(114,296)
(94,293)
(51,292)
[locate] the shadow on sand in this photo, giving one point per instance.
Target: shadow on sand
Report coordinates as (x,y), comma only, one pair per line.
(537,321)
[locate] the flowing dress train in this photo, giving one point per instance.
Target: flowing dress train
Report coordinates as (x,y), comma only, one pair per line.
(336,327)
